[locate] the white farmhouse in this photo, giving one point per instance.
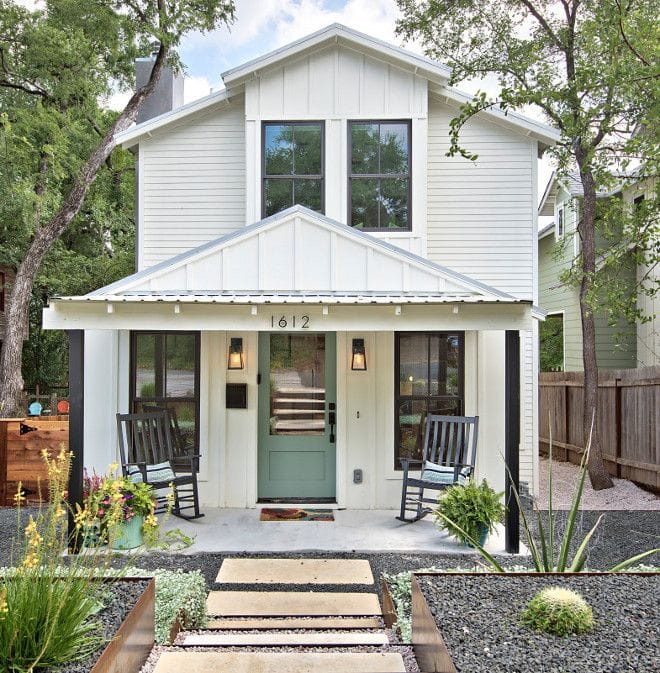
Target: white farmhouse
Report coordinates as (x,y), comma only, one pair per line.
(314,274)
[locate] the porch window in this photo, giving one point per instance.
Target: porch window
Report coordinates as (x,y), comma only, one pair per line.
(429,370)
(292,166)
(165,374)
(379,175)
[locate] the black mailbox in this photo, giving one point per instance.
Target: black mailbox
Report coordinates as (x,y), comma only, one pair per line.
(236,396)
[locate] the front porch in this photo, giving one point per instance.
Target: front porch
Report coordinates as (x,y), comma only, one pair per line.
(234,530)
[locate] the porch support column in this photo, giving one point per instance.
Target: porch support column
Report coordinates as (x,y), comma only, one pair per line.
(76,424)
(512,439)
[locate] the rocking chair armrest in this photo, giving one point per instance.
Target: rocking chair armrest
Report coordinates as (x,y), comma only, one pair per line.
(407,462)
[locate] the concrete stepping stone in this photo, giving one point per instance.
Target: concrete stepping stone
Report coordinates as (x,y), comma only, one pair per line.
(295,571)
(279,662)
(295,623)
(274,639)
(291,604)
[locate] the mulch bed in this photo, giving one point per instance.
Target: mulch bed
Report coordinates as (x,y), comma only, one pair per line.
(479,619)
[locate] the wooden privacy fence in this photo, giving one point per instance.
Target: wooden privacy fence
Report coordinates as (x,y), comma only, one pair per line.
(628,410)
(21,442)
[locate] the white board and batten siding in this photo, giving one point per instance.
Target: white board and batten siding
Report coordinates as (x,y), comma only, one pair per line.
(335,85)
(192,183)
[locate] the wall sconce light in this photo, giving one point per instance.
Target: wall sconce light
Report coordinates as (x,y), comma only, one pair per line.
(235,359)
(359,359)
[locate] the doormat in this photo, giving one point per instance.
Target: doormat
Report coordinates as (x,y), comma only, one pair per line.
(295,514)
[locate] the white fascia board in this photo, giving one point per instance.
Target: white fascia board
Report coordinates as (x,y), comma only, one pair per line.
(546,200)
(547,230)
(133,135)
(340,34)
(546,135)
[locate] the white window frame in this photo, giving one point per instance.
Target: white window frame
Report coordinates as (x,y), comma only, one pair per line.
(560,219)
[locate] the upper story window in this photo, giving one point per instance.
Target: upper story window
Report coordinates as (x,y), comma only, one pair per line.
(379,179)
(292,166)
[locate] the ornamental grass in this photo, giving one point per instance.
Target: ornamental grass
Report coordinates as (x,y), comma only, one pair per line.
(48,603)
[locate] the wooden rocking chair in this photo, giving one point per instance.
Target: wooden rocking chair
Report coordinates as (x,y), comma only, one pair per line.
(147,454)
(448,455)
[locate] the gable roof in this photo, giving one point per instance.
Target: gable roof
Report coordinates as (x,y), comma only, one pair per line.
(339,34)
(298,256)
(435,72)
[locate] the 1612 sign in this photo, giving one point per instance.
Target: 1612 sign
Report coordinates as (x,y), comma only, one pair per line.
(289,322)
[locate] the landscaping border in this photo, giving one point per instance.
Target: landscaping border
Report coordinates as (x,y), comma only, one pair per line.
(134,640)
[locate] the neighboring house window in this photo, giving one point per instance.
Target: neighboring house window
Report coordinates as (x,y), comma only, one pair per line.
(292,166)
(2,292)
(561,221)
(379,175)
(551,343)
(429,370)
(637,202)
(165,373)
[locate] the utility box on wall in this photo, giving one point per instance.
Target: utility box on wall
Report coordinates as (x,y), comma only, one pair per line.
(236,396)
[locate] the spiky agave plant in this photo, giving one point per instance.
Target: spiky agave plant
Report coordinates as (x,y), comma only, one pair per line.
(544,555)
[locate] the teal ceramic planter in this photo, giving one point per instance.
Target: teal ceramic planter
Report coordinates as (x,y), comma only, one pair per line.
(128,535)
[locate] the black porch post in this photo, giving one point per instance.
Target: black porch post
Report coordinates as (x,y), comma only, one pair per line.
(76,422)
(512,438)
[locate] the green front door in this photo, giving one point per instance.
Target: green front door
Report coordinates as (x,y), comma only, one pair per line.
(296,458)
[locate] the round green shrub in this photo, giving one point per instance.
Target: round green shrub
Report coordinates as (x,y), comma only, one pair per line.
(558,611)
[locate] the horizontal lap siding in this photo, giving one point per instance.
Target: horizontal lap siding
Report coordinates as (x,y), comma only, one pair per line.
(192,184)
(480,216)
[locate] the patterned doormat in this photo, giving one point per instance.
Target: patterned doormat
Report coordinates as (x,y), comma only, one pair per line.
(295,514)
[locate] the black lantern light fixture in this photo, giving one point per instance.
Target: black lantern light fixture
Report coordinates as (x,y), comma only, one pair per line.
(359,359)
(235,359)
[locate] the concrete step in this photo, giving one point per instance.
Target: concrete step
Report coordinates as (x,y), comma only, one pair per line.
(291,604)
(279,639)
(295,571)
(279,662)
(294,623)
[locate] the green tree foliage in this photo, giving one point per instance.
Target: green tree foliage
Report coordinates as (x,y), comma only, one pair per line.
(592,67)
(66,193)
(551,339)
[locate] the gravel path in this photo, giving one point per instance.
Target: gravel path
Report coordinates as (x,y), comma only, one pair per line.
(481,627)
(624,496)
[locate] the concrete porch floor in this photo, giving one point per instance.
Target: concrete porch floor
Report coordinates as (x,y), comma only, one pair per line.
(239,530)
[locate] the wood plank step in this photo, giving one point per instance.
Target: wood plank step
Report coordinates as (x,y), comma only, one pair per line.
(279,662)
(295,623)
(291,604)
(274,639)
(295,571)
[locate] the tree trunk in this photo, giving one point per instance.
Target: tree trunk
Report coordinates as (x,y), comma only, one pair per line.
(11,356)
(598,475)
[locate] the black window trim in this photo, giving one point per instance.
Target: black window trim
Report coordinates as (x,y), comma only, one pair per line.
(350,175)
(397,369)
(264,177)
(132,397)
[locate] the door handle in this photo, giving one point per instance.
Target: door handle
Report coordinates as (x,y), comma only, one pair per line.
(332,420)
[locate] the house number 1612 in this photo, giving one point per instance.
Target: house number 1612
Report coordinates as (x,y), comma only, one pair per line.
(301,321)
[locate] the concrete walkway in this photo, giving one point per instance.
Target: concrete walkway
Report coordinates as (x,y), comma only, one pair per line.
(363,531)
(266,631)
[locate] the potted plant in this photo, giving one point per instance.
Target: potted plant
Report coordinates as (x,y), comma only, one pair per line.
(469,511)
(123,510)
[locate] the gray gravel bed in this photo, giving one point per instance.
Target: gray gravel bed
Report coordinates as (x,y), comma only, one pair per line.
(478,617)
(124,596)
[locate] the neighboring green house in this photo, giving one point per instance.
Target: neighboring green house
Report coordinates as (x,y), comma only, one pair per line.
(621,346)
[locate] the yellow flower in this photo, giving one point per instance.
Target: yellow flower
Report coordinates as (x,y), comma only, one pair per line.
(151,521)
(31,527)
(30,561)
(19,497)
(114,467)
(59,512)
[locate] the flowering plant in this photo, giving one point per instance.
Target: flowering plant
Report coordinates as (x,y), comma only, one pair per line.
(113,499)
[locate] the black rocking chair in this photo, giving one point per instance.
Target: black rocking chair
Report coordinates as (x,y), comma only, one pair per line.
(147,454)
(448,455)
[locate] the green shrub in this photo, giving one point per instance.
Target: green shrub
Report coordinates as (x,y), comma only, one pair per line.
(465,509)
(558,611)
